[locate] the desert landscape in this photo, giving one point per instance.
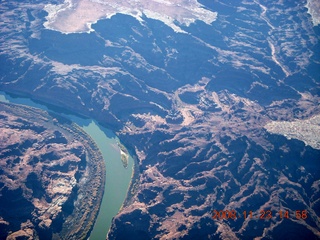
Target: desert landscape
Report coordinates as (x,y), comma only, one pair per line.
(217,100)
(52,176)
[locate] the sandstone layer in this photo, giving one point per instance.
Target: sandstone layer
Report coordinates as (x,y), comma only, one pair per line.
(52,176)
(191,105)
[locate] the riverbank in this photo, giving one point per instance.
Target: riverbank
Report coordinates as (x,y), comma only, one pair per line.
(67,166)
(117,177)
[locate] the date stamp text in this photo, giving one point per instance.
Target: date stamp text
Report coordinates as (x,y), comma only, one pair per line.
(262,214)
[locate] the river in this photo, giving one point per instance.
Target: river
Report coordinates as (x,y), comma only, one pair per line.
(117,177)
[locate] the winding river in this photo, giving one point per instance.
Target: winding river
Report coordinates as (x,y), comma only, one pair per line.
(117,177)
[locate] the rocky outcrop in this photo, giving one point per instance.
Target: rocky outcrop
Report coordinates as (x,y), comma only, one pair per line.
(52,176)
(192,106)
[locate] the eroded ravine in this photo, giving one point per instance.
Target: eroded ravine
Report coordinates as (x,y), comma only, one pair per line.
(118,178)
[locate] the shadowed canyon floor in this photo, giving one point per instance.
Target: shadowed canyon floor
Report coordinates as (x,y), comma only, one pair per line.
(209,107)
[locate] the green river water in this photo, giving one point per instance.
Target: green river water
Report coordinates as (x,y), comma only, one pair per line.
(117,177)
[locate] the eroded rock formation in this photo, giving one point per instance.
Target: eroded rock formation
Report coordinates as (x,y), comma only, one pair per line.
(52,176)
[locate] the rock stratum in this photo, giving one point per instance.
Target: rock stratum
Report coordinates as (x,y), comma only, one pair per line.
(51,179)
(192,97)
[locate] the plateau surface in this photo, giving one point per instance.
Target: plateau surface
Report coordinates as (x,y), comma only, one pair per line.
(188,86)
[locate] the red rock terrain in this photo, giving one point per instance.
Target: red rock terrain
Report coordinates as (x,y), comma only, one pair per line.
(49,188)
(192,105)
